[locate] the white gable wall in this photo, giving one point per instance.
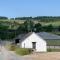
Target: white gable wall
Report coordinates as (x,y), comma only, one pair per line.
(40,43)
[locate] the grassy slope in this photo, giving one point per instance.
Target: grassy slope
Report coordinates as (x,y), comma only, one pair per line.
(11,23)
(53,23)
(16,25)
(56,23)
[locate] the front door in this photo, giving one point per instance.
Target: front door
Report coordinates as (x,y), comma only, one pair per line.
(34,45)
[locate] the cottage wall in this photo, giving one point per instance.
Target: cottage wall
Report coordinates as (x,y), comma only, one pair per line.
(40,43)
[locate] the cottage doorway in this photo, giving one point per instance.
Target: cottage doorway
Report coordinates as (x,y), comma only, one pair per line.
(34,45)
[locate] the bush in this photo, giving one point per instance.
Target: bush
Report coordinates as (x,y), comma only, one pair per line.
(12,47)
(23,51)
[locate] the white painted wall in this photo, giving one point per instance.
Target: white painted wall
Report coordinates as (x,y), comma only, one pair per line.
(40,43)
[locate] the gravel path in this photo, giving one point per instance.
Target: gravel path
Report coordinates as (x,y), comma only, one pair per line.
(6,55)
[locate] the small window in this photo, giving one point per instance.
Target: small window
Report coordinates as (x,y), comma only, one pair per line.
(17,41)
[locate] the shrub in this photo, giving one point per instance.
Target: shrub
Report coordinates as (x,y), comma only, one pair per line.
(23,51)
(12,47)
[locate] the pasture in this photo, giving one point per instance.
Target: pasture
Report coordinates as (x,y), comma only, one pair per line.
(14,24)
(55,23)
(53,42)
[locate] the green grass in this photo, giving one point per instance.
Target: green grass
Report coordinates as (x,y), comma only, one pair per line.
(53,42)
(17,50)
(53,50)
(55,23)
(23,51)
(16,23)
(10,23)
(57,33)
(10,47)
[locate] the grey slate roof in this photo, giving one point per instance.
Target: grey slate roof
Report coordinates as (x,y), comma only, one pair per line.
(23,36)
(48,36)
(26,35)
(44,35)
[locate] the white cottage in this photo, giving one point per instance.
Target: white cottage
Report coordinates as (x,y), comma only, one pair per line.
(34,41)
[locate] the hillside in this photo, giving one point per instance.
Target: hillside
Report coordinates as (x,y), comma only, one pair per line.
(11,28)
(14,24)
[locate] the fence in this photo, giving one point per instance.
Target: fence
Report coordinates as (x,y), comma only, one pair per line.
(54,47)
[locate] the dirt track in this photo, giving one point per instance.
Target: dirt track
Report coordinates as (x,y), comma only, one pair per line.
(46,56)
(36,56)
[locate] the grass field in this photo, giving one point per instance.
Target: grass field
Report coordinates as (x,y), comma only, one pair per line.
(53,42)
(55,23)
(14,24)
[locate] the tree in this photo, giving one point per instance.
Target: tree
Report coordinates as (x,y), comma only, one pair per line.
(48,28)
(38,27)
(59,28)
(29,25)
(2,17)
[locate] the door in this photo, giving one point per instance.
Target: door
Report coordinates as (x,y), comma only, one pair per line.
(34,45)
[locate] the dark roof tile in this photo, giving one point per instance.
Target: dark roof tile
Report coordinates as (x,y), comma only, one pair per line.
(48,36)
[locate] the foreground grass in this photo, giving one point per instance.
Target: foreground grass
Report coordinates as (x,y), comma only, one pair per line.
(19,51)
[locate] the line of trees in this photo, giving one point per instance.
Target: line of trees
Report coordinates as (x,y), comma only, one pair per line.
(3,17)
(29,25)
(39,18)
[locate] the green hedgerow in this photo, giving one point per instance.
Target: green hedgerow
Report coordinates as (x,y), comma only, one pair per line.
(23,51)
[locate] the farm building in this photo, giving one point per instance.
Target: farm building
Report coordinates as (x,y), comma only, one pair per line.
(39,41)
(33,41)
(53,41)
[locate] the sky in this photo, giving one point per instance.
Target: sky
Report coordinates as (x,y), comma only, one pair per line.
(26,8)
